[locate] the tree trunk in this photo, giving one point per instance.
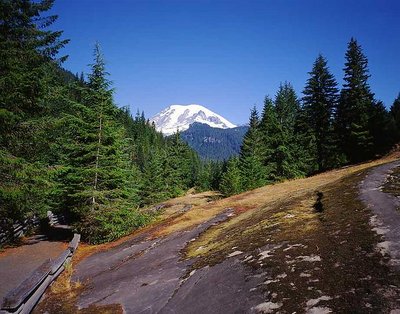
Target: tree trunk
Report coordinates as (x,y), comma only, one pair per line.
(96,174)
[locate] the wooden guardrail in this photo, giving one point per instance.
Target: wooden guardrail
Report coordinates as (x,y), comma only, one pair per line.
(10,233)
(18,229)
(56,219)
(23,298)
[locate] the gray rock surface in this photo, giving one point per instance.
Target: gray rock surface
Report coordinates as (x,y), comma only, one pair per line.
(150,276)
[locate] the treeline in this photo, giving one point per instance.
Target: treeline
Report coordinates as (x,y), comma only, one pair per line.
(64,144)
(325,129)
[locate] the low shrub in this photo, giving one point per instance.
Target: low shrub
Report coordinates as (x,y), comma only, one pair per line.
(106,224)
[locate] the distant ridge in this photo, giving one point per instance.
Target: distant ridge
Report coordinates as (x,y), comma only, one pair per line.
(214,143)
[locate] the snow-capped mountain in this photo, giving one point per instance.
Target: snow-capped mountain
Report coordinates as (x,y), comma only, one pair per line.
(180,117)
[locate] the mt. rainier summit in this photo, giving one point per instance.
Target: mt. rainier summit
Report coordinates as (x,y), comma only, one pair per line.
(180,117)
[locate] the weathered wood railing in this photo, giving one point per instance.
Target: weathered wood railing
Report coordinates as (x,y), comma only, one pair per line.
(18,229)
(23,298)
(56,219)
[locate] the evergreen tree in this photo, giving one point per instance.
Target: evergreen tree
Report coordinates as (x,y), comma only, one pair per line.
(382,127)
(356,101)
(270,130)
(99,98)
(231,181)
(319,103)
(100,170)
(204,177)
(217,168)
(177,167)
(288,154)
(304,145)
(28,52)
(253,172)
(395,111)
(154,186)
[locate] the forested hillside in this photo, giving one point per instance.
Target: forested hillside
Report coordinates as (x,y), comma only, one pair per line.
(65,146)
(214,143)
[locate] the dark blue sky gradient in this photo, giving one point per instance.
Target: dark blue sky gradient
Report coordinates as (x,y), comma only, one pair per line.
(227,55)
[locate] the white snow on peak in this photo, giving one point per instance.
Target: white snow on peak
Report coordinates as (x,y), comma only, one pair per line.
(179,117)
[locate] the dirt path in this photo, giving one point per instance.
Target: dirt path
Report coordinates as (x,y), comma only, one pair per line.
(17,263)
(386,219)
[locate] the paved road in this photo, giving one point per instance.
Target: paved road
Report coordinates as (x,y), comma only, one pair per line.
(149,276)
(386,219)
(17,263)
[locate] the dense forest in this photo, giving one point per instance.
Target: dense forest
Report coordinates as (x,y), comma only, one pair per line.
(65,146)
(214,143)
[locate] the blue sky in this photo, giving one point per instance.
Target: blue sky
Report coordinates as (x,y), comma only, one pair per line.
(226,55)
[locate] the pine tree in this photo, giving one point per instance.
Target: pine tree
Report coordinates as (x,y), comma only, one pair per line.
(28,52)
(304,144)
(270,130)
(100,170)
(177,167)
(319,104)
(154,186)
(27,49)
(383,129)
(356,101)
(100,99)
(286,106)
(204,177)
(288,154)
(395,111)
(231,181)
(253,172)
(217,168)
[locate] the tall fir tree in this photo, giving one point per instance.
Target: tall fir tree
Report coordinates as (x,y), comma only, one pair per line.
(304,144)
(101,174)
(319,104)
(253,172)
(204,177)
(288,154)
(383,129)
(154,186)
(286,106)
(231,180)
(356,101)
(270,130)
(395,112)
(28,50)
(177,166)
